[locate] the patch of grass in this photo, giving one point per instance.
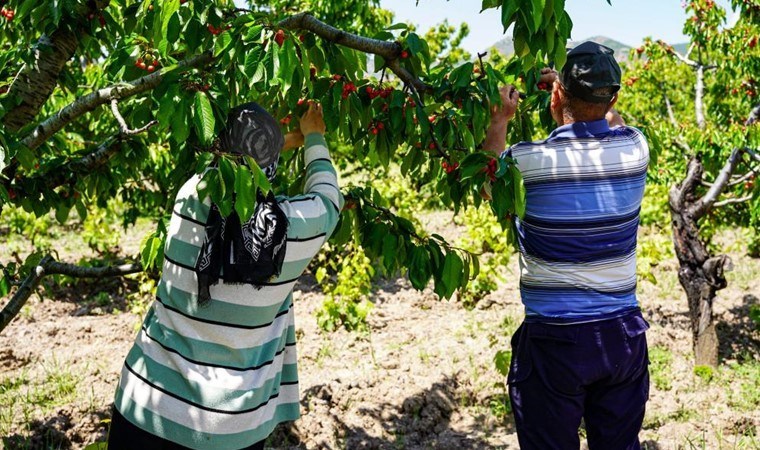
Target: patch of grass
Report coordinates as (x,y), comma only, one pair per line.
(744,391)
(705,373)
(655,420)
(25,397)
(660,370)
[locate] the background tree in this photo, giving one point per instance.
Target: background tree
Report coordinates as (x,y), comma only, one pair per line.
(696,109)
(121,101)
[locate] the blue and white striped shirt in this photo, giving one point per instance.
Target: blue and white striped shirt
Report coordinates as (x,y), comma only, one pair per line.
(584,186)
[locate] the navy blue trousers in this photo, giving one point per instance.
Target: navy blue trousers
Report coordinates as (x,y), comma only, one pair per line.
(598,372)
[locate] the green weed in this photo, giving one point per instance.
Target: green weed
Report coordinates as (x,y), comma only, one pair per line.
(660,371)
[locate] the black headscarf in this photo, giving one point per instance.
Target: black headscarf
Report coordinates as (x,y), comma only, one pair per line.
(251,251)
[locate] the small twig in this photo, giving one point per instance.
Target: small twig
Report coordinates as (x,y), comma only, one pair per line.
(729,201)
(438,148)
(482,69)
(123,128)
(743,178)
(671,116)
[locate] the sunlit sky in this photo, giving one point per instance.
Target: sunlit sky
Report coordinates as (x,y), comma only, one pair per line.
(627,21)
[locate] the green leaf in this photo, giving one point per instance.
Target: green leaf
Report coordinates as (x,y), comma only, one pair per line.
(519,190)
(245,201)
(203,118)
(420,269)
(508,10)
(488,4)
(390,246)
(452,273)
(26,157)
(223,41)
(227,170)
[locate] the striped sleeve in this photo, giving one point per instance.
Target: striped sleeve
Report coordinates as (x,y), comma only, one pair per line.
(316,212)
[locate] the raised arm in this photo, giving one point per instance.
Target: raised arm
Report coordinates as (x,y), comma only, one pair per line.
(496,135)
(318,209)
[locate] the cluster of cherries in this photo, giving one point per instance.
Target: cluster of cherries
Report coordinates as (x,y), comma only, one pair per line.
(449,167)
(379,92)
(150,67)
(8,13)
(491,168)
(375,128)
(215,31)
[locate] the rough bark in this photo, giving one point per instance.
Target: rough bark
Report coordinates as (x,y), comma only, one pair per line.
(390,51)
(34,83)
(49,266)
(701,275)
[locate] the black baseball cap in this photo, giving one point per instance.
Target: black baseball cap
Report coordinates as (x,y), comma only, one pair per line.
(591,66)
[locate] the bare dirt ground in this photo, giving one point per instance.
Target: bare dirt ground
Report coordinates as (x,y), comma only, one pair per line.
(422,377)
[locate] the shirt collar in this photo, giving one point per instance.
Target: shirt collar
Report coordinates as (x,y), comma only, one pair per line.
(596,128)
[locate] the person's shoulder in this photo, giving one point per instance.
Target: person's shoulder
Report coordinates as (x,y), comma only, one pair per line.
(627,131)
(523,147)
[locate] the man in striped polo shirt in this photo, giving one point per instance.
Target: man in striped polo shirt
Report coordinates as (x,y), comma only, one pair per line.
(581,351)
(222,375)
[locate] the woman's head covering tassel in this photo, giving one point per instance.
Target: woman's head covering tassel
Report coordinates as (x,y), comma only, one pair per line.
(253,251)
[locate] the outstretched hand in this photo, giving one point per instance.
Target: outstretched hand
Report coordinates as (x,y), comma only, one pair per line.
(294,139)
(313,120)
(509,98)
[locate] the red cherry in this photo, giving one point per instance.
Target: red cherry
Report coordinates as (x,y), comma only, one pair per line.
(91,16)
(313,71)
(380,126)
(285,120)
(151,68)
(431,146)
(369,90)
(640,50)
(302,38)
(431,118)
(141,65)
(182,2)
(301,101)
(336,77)
(404,54)
(374,130)
(543,86)
(279,37)
(11,193)
(36,165)
(418,144)
(76,194)
(102,20)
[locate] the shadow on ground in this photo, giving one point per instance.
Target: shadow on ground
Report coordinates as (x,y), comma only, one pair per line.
(420,421)
(738,334)
(60,432)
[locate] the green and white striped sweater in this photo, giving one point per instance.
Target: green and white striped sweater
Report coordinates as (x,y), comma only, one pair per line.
(223,376)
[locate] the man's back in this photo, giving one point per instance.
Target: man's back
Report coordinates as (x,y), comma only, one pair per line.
(584,186)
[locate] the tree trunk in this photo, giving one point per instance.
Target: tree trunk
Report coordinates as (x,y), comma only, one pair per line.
(701,275)
(34,83)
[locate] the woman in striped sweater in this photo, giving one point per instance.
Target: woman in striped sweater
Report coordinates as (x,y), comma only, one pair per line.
(220,372)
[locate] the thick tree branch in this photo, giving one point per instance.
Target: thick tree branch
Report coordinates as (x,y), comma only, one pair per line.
(678,192)
(123,127)
(82,165)
(49,266)
(707,201)
(390,51)
(89,102)
(35,82)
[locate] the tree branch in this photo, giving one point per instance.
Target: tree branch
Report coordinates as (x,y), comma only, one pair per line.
(49,266)
(35,82)
(707,201)
(677,195)
(89,102)
(699,107)
(671,116)
(390,51)
(754,116)
(123,127)
(730,201)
